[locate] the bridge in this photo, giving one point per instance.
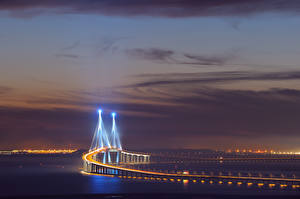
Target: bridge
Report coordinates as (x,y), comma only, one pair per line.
(108,145)
(107,157)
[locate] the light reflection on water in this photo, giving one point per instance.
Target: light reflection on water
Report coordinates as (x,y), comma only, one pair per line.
(104,184)
(65,178)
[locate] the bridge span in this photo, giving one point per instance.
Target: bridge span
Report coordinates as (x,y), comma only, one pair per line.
(106,157)
(93,166)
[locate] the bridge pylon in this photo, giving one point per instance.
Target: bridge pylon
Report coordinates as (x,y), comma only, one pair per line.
(100,139)
(115,142)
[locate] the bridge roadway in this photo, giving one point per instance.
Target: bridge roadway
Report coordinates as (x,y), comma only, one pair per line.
(94,167)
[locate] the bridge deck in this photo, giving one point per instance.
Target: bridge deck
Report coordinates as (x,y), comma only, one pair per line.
(89,159)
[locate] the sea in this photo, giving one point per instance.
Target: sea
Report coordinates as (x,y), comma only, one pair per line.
(50,175)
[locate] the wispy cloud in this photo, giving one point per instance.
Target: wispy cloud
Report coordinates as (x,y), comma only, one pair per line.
(67,51)
(153,54)
(208,113)
(149,80)
(172,57)
(207,60)
(108,44)
(167,8)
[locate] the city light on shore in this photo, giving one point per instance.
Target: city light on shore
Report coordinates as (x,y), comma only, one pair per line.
(262,151)
(38,151)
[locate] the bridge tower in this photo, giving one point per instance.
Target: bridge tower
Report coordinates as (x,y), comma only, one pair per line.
(100,139)
(116,147)
(116,143)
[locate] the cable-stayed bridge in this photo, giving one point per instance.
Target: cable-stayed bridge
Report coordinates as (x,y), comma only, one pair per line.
(109,145)
(106,156)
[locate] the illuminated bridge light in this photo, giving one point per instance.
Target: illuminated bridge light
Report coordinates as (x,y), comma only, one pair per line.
(283,185)
(249,184)
(295,186)
(260,184)
(271,185)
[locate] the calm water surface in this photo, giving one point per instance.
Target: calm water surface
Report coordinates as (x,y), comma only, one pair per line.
(61,175)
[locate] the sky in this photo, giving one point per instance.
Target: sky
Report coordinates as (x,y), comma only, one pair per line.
(180,73)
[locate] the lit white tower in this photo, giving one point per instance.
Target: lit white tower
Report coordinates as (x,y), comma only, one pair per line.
(100,139)
(116,144)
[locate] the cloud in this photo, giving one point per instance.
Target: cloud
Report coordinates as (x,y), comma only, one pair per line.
(172,57)
(239,113)
(207,60)
(172,114)
(234,114)
(67,52)
(150,80)
(166,8)
(251,116)
(108,44)
(154,54)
